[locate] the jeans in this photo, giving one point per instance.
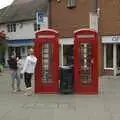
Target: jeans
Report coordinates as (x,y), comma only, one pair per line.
(15,76)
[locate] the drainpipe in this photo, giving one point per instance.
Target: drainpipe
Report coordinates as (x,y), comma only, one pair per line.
(94,4)
(49,15)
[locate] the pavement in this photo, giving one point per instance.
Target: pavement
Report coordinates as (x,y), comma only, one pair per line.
(104,106)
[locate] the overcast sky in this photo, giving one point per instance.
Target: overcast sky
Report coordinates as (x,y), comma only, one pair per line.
(4,3)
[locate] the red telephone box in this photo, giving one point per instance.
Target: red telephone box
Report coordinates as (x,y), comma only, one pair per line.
(85,62)
(47,69)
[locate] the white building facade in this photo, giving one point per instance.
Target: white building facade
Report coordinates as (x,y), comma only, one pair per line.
(18,22)
(20,36)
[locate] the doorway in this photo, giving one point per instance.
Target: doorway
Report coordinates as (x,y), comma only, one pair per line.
(67,55)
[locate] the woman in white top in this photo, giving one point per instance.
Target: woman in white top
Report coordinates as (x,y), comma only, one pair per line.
(28,70)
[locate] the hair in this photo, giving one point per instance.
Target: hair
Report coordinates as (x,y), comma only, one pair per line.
(31,51)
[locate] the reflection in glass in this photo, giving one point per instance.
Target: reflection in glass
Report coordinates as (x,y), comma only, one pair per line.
(47,63)
(85,56)
(109,56)
(68,55)
(118,55)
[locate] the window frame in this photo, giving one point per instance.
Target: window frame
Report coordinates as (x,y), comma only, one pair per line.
(105,58)
(37,27)
(71,3)
(11,27)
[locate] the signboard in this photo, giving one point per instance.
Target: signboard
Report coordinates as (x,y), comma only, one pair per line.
(111,39)
(39,17)
(46,36)
(86,36)
(93,21)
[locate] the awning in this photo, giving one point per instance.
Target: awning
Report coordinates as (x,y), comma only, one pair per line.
(20,42)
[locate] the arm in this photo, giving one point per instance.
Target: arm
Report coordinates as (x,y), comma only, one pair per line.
(25,65)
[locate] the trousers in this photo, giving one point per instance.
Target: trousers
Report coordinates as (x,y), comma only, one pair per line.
(15,77)
(27,78)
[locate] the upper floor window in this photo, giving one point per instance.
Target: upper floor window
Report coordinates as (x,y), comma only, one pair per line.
(36,27)
(71,3)
(11,27)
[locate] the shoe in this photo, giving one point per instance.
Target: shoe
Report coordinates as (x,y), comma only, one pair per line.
(19,90)
(28,91)
(29,88)
(14,91)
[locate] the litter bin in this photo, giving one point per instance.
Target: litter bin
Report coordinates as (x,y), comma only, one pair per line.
(66,81)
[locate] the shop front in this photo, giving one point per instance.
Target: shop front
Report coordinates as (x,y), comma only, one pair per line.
(111,45)
(20,47)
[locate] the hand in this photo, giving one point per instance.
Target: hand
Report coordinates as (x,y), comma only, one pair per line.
(22,72)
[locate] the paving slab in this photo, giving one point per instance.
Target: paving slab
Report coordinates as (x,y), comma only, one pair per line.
(104,106)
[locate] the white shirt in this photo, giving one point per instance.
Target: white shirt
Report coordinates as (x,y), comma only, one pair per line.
(20,64)
(29,65)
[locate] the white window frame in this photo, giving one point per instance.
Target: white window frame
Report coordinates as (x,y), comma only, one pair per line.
(37,27)
(105,58)
(11,27)
(71,3)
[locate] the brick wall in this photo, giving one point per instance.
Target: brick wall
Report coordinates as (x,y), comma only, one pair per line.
(67,20)
(109,17)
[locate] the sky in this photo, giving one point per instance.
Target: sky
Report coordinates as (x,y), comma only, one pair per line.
(4,3)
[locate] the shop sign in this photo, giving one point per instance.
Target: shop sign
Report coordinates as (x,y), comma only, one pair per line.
(111,39)
(115,38)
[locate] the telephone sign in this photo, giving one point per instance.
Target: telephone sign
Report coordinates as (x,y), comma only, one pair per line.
(39,17)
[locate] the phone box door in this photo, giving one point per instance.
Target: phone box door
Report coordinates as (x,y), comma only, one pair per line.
(47,70)
(86,62)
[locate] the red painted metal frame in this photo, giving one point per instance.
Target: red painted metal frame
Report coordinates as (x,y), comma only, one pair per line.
(54,86)
(93,87)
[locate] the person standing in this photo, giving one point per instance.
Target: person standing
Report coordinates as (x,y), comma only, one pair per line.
(28,70)
(12,62)
(20,66)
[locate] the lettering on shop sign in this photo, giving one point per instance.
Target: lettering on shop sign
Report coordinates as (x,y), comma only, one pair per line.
(115,38)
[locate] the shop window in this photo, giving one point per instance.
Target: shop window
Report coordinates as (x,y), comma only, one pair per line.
(10,51)
(71,3)
(11,27)
(36,27)
(67,55)
(109,55)
(23,50)
(118,56)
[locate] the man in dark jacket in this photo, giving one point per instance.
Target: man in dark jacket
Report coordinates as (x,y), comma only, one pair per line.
(12,62)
